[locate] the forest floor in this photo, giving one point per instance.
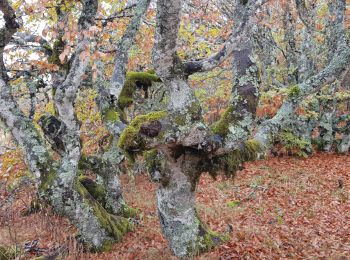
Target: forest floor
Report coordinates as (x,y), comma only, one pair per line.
(280,208)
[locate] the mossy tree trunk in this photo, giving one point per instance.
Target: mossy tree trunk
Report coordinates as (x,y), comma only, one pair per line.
(179,220)
(58,181)
(186,146)
(107,165)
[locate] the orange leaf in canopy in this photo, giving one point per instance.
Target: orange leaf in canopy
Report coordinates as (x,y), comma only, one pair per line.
(84,77)
(45,31)
(319,27)
(300,111)
(61,25)
(84,55)
(342,124)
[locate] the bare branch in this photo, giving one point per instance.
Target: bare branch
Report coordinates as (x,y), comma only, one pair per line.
(233,43)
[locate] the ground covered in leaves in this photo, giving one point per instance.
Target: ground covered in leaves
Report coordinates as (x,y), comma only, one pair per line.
(282,207)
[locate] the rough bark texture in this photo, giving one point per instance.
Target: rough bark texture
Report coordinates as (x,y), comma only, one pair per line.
(107,102)
(176,208)
(188,144)
(245,96)
(59,182)
(123,47)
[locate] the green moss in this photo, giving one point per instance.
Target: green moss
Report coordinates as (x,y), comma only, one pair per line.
(233,161)
(107,246)
(222,126)
(115,226)
(212,239)
(294,144)
(251,150)
(207,241)
(57,49)
(130,140)
(35,206)
(97,191)
(48,176)
(134,79)
(195,111)
(129,212)
(293,91)
(152,159)
(110,115)
(233,204)
(180,119)
(319,143)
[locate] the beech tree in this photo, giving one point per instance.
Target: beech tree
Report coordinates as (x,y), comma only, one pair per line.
(185,145)
(170,132)
(99,224)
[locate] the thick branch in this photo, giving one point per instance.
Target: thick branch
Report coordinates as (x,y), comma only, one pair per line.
(164,51)
(24,132)
(6,32)
(238,36)
(22,39)
(123,47)
(66,92)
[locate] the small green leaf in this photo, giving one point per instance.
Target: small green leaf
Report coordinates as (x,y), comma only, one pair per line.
(233,204)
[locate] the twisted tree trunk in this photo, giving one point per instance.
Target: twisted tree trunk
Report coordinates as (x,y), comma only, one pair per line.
(58,182)
(179,220)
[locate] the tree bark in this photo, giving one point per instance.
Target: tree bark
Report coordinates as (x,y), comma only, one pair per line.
(179,220)
(58,182)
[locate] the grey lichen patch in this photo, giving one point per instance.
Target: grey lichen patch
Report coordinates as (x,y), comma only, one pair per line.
(111,227)
(185,118)
(241,129)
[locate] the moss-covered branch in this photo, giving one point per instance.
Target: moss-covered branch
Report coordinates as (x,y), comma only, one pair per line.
(134,80)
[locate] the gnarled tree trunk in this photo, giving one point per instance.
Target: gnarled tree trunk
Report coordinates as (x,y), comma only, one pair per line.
(58,182)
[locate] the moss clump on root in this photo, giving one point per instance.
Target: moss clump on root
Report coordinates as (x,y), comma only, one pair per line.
(130,140)
(206,239)
(134,79)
